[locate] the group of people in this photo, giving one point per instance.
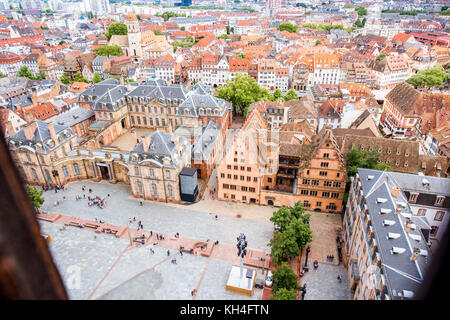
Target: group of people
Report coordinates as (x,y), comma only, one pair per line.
(212,193)
(55,187)
(330,258)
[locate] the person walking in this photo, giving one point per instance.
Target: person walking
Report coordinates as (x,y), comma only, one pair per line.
(140,203)
(168,252)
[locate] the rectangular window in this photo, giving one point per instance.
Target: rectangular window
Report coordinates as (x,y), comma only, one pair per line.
(434,231)
(304,192)
(421,212)
(233,196)
(325,194)
(225,186)
(228,166)
(242,178)
(313,193)
(249,169)
(235,167)
(244,198)
(413,197)
(235,177)
(255,179)
(244,188)
(228,176)
(323,173)
(222,175)
(439,201)
(249,179)
(315,182)
(327,183)
(318,204)
(306,181)
(269,180)
(439,215)
(251,189)
(242,168)
(324,164)
(225,195)
(76,169)
(232,187)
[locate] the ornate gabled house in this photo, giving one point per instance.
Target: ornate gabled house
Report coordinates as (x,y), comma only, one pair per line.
(155,164)
(314,174)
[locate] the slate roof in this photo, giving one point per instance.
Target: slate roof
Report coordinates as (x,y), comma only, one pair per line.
(72,117)
(204,144)
(401,272)
(194,102)
(41,135)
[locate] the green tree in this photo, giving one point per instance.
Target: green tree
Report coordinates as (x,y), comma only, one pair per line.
(117,28)
(90,15)
(24,72)
(284,277)
(242,92)
(77,77)
(224,36)
(39,76)
(61,42)
(35,196)
(64,78)
(288,27)
(362,159)
(182,28)
(302,232)
(380,57)
(2,75)
(157,32)
(433,77)
(96,78)
(114,50)
(284,294)
(282,218)
(277,95)
(284,245)
(361,11)
(318,42)
(291,95)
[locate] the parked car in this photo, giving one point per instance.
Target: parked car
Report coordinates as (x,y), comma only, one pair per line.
(269,279)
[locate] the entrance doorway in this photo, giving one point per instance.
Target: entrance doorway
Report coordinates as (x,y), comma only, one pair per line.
(270,203)
(122,122)
(252,200)
(105,172)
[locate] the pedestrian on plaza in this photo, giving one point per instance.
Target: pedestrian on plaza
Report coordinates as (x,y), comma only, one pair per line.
(168,252)
(192,292)
(140,203)
(216,217)
(142,226)
(90,190)
(213,197)
(56,191)
(151,233)
(108,195)
(339,278)
(84,196)
(332,258)
(181,253)
(131,221)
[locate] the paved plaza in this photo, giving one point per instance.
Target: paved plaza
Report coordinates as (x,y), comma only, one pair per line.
(322,283)
(99,266)
(111,269)
(121,206)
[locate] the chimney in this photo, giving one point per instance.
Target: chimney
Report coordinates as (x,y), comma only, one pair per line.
(394,191)
(145,142)
(122,83)
(51,129)
(415,254)
(29,129)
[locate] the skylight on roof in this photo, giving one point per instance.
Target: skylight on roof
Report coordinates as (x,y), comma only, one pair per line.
(397,250)
(381,200)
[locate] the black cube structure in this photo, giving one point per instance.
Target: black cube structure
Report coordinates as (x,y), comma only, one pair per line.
(188,184)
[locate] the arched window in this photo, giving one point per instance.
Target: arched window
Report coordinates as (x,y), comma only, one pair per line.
(33,172)
(47,175)
(76,169)
(139,186)
(65,171)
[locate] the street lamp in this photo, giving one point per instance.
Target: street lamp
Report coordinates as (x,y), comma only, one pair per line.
(241,245)
(308,249)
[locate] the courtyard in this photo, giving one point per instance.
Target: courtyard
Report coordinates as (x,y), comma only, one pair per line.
(109,268)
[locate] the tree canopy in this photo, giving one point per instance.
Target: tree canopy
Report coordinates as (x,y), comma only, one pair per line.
(294,232)
(361,11)
(77,77)
(288,27)
(157,32)
(242,92)
(169,14)
(380,57)
(186,43)
(284,277)
(224,36)
(117,28)
(64,78)
(284,294)
(323,27)
(114,50)
(433,77)
(24,72)
(35,196)
(363,159)
(96,78)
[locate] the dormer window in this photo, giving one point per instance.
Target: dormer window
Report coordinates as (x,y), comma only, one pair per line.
(413,197)
(439,201)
